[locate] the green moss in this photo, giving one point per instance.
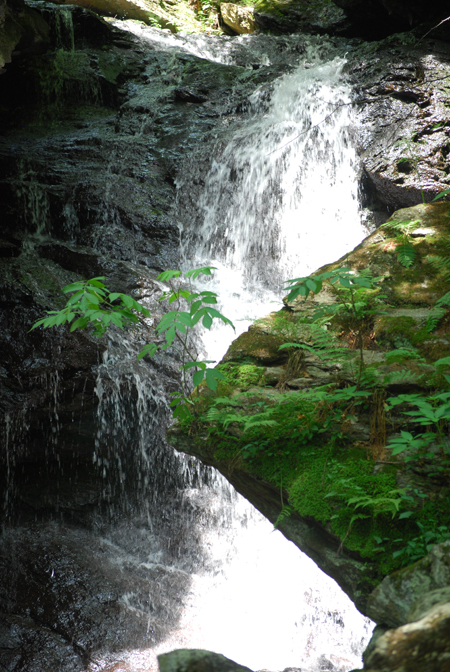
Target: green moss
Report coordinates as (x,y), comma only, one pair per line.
(254,347)
(243,375)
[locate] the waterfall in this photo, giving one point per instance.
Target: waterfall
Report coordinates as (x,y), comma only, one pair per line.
(187,561)
(277,199)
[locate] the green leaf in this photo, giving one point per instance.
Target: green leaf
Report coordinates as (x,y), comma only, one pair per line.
(195,306)
(170,335)
(80,323)
(168,275)
(197,378)
(204,270)
(406,254)
(185,319)
(149,349)
(74,287)
(441,195)
(207,321)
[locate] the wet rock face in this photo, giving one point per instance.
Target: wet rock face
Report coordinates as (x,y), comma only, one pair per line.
(405,137)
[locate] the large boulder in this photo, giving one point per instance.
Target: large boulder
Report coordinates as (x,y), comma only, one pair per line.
(256,372)
(239,19)
(421,646)
(290,16)
(197,660)
(412,590)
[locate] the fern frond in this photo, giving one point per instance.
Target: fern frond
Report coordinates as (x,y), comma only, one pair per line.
(286,511)
(405,227)
(403,353)
(434,318)
(400,377)
(441,263)
(444,300)
(406,254)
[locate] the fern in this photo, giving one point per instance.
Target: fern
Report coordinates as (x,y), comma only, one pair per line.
(400,377)
(402,354)
(438,312)
(286,511)
(434,318)
(406,254)
(404,227)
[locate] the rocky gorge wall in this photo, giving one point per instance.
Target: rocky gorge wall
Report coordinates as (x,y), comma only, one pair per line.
(96,126)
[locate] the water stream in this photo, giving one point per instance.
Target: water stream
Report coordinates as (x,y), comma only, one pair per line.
(277,200)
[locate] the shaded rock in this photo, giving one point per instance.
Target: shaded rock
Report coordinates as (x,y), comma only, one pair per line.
(256,347)
(197,660)
(22,31)
(138,10)
(427,602)
(403,142)
(374,19)
(292,16)
(393,600)
(239,18)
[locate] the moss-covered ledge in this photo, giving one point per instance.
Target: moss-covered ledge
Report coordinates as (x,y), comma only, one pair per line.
(322,468)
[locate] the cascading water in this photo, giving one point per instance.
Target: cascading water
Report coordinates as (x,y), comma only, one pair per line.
(261,215)
(280,197)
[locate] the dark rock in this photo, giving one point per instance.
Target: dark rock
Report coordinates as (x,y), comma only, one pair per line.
(23,32)
(374,19)
(300,16)
(197,660)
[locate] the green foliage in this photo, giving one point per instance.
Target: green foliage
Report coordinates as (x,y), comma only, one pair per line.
(442,265)
(93,304)
(344,277)
(406,254)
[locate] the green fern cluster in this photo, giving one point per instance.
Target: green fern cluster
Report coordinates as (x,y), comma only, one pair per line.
(442,265)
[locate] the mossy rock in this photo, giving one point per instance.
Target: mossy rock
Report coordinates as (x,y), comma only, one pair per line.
(284,16)
(255,347)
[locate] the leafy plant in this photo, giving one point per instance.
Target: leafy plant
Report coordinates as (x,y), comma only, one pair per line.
(442,265)
(93,304)
(406,252)
(357,298)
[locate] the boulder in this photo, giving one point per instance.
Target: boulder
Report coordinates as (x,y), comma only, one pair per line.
(291,16)
(148,11)
(392,602)
(239,19)
(422,646)
(197,660)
